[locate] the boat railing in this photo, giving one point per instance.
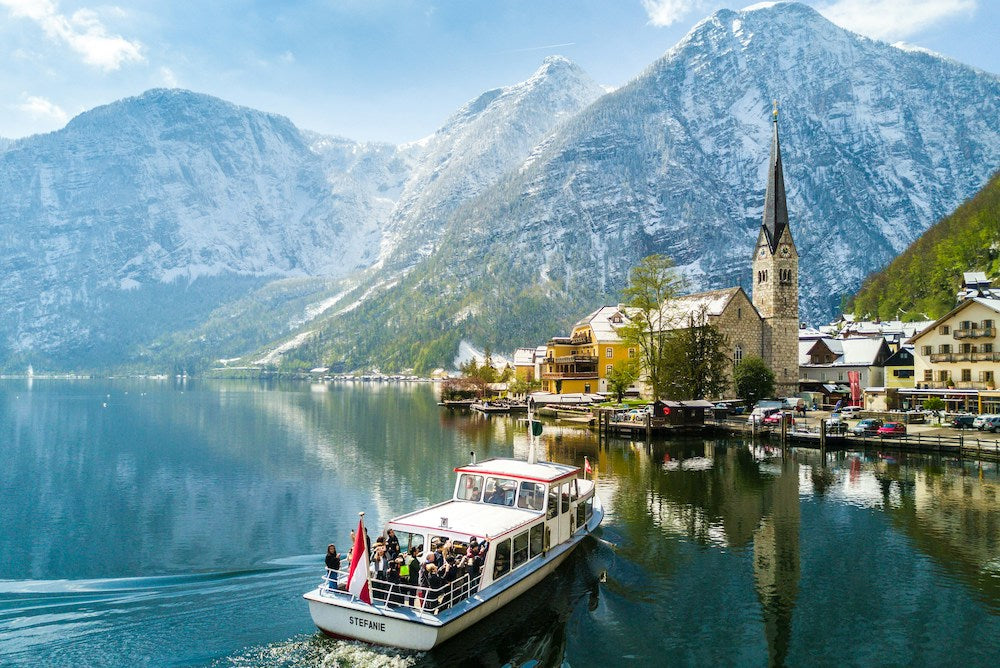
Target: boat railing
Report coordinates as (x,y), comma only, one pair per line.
(386,594)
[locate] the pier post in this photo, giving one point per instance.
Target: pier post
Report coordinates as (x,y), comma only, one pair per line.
(822,438)
(784,430)
(649,429)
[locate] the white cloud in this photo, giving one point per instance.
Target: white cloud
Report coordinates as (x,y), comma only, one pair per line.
(168,77)
(288,58)
(892,19)
(40,108)
(82,31)
(663,13)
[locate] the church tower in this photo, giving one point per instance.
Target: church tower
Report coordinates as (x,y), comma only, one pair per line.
(776,280)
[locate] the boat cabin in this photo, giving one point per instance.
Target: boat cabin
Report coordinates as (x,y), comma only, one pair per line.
(521,510)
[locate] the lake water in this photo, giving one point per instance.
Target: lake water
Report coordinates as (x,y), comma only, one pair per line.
(168,524)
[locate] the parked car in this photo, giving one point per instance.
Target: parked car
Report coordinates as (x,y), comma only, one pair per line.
(760,412)
(851,411)
(866,427)
(892,429)
(991,424)
(962,421)
(977,422)
(774,419)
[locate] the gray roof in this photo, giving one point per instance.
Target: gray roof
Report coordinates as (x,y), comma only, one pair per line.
(775,209)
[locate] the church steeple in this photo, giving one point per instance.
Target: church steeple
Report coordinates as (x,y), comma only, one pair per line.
(775,209)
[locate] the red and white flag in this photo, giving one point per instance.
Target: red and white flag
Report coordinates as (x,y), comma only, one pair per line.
(357,577)
(586,466)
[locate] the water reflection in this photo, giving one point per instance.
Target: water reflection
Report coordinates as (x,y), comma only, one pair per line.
(712,551)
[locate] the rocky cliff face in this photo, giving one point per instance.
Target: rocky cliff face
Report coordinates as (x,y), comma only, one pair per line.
(151,195)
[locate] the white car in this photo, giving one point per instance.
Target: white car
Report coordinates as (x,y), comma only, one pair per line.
(850,411)
(980,419)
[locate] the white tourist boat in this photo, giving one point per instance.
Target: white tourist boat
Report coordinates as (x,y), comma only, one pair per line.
(532,515)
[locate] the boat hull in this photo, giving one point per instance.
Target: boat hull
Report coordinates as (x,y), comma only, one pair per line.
(407,628)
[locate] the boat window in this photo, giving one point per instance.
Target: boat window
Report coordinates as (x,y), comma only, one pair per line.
(574,492)
(590,507)
(564,492)
(470,487)
(581,514)
(520,549)
(500,491)
(408,540)
(553,508)
(532,496)
(501,563)
(456,549)
(537,533)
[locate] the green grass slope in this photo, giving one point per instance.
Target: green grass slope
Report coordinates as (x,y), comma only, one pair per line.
(922,282)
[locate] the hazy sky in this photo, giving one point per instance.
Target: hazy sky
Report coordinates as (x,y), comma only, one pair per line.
(389,70)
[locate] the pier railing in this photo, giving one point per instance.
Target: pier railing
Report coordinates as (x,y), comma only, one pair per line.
(386,594)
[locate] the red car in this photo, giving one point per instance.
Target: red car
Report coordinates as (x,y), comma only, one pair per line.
(892,429)
(774,419)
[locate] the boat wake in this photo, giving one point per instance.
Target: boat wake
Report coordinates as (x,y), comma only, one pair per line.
(314,650)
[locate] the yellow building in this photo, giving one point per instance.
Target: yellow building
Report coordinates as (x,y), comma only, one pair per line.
(899,369)
(582,361)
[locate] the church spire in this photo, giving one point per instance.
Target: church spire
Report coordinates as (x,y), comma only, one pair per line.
(775,210)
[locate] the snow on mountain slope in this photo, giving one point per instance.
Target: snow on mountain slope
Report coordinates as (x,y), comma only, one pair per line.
(482,141)
(167,186)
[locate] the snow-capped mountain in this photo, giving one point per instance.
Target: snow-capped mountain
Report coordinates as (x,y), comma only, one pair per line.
(135,200)
(481,142)
(877,143)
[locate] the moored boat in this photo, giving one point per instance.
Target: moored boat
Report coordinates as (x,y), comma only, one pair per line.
(530,515)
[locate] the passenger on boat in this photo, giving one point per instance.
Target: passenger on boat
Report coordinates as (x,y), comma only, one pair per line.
(392,544)
(395,582)
(332,559)
(412,574)
(434,584)
(379,570)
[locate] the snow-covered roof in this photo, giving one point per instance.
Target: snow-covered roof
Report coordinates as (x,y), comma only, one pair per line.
(849,352)
(464,518)
(602,323)
(677,312)
(990,303)
(524,357)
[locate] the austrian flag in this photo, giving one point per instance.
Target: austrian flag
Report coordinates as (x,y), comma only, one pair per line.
(586,466)
(357,577)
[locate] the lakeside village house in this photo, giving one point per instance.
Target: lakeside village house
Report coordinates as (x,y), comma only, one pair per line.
(881,365)
(765,325)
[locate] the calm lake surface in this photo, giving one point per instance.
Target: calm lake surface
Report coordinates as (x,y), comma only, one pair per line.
(166,524)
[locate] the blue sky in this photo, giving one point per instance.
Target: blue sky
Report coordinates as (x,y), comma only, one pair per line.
(380,69)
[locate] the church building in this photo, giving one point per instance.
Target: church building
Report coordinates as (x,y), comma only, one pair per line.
(766,324)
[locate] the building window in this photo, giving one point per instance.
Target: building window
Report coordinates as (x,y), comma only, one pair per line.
(986,376)
(607,370)
(738,354)
(926,350)
(944,348)
(965,348)
(986,348)
(739,313)
(966,375)
(608,353)
(987,324)
(945,329)
(943,376)
(928,375)
(631,353)
(965,325)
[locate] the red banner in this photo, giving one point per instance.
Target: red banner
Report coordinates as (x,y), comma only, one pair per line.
(855,378)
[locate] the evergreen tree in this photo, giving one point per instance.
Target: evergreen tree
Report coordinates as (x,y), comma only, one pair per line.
(696,361)
(753,380)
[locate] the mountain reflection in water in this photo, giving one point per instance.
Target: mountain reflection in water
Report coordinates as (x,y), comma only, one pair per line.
(202,510)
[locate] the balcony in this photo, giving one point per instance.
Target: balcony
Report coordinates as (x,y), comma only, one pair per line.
(956,385)
(569,375)
(951,357)
(572,359)
(975,333)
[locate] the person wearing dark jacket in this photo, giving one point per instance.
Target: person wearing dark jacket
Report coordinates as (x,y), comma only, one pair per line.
(332,558)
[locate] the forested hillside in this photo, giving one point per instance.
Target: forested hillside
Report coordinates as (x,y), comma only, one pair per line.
(921,283)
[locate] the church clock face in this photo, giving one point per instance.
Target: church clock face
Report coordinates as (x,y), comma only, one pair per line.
(784,251)
(762,252)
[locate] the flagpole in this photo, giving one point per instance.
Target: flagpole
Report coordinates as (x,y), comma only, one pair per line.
(363,535)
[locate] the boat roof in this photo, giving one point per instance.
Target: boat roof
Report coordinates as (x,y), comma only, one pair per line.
(465,518)
(516,468)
